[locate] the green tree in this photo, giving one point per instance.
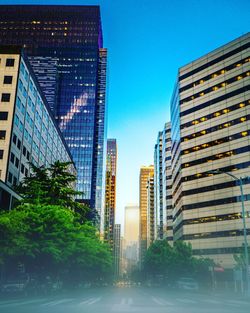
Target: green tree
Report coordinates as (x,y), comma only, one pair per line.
(52,186)
(49,240)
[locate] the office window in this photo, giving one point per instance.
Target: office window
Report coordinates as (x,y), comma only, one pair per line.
(15,181)
(12,157)
(5,97)
(17,163)
(1,154)
(10,62)
(14,139)
(3,116)
(19,144)
(7,79)
(10,176)
(2,134)
(22,168)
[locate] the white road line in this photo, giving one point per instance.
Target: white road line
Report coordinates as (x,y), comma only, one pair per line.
(16,303)
(94,301)
(86,301)
(53,303)
(186,301)
(157,301)
(212,301)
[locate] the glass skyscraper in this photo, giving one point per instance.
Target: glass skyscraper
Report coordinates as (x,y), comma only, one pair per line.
(65,48)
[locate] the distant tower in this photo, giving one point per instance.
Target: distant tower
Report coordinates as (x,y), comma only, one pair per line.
(131,237)
(117,250)
(151,229)
(110,191)
(145,173)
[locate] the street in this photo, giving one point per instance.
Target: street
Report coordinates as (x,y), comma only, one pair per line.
(106,300)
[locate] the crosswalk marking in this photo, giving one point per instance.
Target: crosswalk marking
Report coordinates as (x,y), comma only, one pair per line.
(86,301)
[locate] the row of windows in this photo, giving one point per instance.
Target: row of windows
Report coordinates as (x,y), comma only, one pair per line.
(212,187)
(217,127)
(210,251)
(211,203)
(215,74)
(217,234)
(17,142)
(230,168)
(215,61)
(208,219)
(216,142)
(215,87)
(217,114)
(217,156)
(209,103)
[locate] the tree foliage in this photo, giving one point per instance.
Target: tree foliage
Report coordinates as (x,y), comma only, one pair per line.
(50,241)
(48,231)
(174,262)
(53,185)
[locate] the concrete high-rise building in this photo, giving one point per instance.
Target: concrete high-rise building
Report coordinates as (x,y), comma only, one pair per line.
(65,48)
(110,191)
(167,184)
(151,212)
(158,185)
(117,249)
(28,130)
(145,173)
(210,131)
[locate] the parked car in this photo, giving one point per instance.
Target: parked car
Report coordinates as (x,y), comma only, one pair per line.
(187,283)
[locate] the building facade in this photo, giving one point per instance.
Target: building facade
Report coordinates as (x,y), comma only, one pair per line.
(210,131)
(65,47)
(158,186)
(117,250)
(151,213)
(167,184)
(145,173)
(28,130)
(110,191)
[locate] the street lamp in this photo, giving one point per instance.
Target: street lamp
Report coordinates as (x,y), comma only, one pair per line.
(240,180)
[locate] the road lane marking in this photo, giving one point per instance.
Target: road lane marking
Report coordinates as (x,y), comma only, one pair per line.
(56,302)
(87,301)
(160,301)
(94,301)
(16,303)
(186,301)
(212,301)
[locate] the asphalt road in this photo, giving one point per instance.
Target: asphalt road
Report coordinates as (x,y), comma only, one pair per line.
(141,300)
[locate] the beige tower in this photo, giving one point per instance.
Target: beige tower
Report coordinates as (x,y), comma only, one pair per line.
(145,173)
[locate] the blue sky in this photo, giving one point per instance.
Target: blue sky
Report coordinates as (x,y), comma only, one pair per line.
(147,41)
